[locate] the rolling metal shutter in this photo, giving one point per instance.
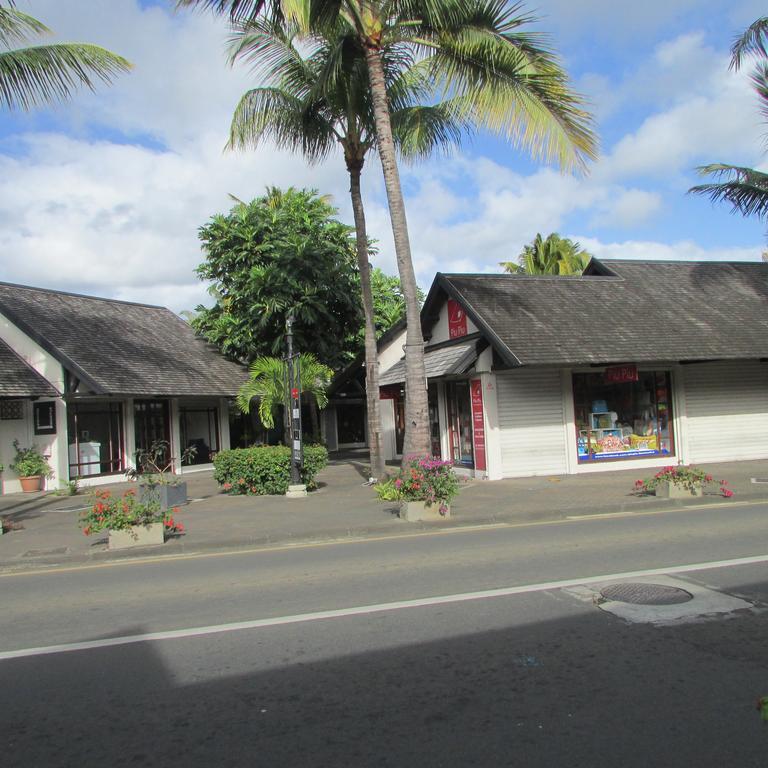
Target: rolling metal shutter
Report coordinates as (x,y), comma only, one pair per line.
(531,423)
(727,410)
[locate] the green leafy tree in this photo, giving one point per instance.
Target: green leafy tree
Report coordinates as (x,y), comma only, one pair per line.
(282,253)
(509,81)
(266,385)
(746,189)
(315,96)
(33,75)
(554,255)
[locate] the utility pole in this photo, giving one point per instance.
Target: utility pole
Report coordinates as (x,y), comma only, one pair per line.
(296,489)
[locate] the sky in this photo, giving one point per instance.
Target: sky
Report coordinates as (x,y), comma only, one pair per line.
(105,194)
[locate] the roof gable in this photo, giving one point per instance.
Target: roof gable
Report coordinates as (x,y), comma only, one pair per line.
(19,379)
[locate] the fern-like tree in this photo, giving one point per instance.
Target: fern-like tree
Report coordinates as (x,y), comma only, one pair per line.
(553,255)
(266,386)
(481,52)
(33,75)
(745,189)
(315,97)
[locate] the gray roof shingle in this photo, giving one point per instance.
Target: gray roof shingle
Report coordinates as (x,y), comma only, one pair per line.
(18,379)
(438,362)
(639,311)
(121,348)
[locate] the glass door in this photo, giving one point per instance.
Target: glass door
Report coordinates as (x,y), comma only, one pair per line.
(460,423)
(152,424)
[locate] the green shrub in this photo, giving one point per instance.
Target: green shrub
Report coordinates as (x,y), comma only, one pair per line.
(265,469)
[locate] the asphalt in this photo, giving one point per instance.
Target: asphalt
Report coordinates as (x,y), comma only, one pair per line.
(41,530)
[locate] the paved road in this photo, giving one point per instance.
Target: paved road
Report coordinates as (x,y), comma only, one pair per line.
(539,677)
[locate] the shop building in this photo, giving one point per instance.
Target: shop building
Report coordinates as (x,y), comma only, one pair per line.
(89,381)
(633,365)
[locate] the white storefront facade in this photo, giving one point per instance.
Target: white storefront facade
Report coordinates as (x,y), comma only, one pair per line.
(497,415)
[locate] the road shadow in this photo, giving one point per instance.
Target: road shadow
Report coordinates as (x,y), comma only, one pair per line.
(584,689)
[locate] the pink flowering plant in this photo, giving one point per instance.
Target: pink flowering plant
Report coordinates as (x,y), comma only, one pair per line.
(691,478)
(423,478)
(117,513)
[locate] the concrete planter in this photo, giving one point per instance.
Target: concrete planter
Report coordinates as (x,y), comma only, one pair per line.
(420,510)
(169,496)
(672,491)
(31,484)
(137,536)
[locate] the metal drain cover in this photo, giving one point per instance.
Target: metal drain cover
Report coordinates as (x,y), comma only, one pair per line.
(645,594)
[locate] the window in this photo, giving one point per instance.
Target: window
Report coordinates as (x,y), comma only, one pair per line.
(623,413)
(95,436)
(199,430)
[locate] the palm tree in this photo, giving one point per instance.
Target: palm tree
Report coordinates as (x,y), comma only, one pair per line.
(42,74)
(554,255)
(267,377)
(744,188)
(509,80)
(315,98)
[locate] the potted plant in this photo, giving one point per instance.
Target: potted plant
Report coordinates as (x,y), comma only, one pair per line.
(31,467)
(679,482)
(130,522)
(153,470)
(424,488)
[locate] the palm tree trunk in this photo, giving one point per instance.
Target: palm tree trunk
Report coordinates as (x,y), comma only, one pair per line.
(373,403)
(416,407)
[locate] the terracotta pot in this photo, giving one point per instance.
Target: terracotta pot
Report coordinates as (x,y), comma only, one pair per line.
(31,484)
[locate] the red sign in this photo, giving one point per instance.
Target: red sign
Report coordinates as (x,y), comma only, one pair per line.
(620,374)
(478,423)
(457,320)
(294,393)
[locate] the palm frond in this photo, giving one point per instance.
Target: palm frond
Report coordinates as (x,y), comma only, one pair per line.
(752,42)
(514,82)
(48,73)
(418,131)
(744,188)
(18,27)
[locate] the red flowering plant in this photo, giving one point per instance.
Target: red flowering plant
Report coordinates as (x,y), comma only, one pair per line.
(424,478)
(116,513)
(691,478)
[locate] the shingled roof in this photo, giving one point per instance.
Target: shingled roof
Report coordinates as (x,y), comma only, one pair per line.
(121,348)
(619,311)
(17,379)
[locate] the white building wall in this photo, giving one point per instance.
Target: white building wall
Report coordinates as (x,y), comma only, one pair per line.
(440,329)
(49,445)
(727,411)
(391,353)
(531,418)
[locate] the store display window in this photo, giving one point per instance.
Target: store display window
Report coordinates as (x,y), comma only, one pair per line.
(623,413)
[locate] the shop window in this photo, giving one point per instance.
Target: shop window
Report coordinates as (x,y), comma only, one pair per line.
(623,414)
(95,436)
(199,429)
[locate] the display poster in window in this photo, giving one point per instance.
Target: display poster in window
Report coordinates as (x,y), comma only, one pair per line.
(619,416)
(457,320)
(478,423)
(44,415)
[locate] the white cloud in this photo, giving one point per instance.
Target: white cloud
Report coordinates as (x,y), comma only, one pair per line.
(684,250)
(626,207)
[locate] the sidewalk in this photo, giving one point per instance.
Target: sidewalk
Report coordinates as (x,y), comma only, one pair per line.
(45,528)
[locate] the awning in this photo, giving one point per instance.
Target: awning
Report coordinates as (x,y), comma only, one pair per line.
(444,361)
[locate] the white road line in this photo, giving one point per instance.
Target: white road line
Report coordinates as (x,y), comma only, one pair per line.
(363,610)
